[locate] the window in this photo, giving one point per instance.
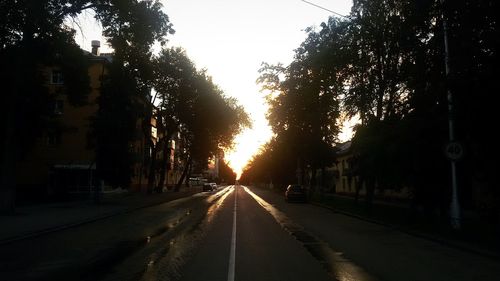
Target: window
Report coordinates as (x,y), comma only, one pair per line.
(57,77)
(53,138)
(171,144)
(154,133)
(57,107)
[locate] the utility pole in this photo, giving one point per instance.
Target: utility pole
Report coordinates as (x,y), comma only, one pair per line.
(453,149)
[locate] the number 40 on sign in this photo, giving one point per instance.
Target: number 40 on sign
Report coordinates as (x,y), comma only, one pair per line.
(454,150)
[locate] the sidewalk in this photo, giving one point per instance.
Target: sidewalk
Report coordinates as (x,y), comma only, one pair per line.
(474,237)
(31,221)
(396,215)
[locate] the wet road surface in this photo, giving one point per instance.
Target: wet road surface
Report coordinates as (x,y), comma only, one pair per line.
(246,243)
(98,250)
(237,233)
(383,252)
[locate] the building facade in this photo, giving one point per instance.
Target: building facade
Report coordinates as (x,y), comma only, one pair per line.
(342,178)
(62,159)
(62,162)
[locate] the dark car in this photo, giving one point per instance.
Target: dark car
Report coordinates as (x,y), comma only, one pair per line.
(214,185)
(208,187)
(296,193)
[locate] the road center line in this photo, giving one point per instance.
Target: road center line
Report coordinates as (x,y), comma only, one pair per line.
(232,253)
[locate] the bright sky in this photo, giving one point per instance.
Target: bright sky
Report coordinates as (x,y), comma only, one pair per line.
(231,38)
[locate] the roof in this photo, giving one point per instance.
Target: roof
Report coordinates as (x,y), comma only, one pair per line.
(101,57)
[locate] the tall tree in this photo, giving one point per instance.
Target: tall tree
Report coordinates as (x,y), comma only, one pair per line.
(389,72)
(190,103)
(386,64)
(213,123)
(34,33)
(226,174)
(173,84)
(304,99)
(132,29)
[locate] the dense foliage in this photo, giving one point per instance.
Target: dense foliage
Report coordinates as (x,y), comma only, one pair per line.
(190,103)
(385,64)
(34,35)
(131,28)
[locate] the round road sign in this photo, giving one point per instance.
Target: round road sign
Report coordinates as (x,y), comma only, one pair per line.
(454,150)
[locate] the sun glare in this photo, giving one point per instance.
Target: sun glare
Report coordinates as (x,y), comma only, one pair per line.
(232,44)
(247,145)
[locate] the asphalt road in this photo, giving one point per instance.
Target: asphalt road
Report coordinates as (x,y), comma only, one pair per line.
(384,253)
(237,233)
(98,250)
(246,243)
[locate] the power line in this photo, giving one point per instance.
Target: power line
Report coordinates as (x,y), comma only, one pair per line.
(323,8)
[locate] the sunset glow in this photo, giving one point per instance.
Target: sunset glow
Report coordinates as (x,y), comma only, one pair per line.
(230,39)
(246,145)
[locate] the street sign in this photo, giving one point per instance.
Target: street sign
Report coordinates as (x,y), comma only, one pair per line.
(454,151)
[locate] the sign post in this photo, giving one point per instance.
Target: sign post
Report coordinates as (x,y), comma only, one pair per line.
(455,148)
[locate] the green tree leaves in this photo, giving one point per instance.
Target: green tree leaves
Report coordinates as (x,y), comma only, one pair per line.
(190,102)
(385,64)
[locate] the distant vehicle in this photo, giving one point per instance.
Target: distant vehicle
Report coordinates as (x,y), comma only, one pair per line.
(296,192)
(208,187)
(214,185)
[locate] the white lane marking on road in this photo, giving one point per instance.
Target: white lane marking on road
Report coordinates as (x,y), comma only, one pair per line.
(232,253)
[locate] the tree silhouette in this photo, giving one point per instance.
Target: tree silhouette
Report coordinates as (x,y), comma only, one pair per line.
(34,33)
(385,64)
(190,103)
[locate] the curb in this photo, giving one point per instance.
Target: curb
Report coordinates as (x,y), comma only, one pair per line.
(442,241)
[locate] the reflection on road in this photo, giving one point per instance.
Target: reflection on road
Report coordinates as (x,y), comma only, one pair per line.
(172,253)
(338,266)
(220,197)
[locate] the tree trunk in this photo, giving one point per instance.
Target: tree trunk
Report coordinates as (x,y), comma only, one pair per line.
(297,172)
(9,145)
(370,192)
(188,175)
(163,176)
(163,168)
(184,173)
(312,181)
(165,147)
(152,169)
(8,173)
(358,186)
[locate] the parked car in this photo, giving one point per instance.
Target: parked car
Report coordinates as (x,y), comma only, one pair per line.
(296,193)
(208,187)
(214,185)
